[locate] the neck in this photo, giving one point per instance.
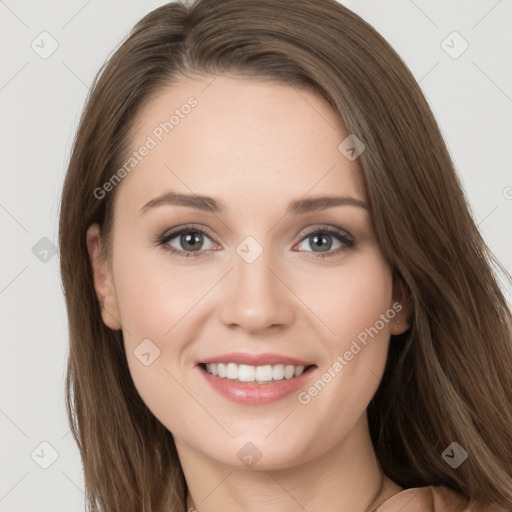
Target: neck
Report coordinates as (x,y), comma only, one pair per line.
(348,475)
(386,490)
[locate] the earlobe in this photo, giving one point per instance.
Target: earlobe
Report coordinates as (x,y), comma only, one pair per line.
(401,321)
(103,282)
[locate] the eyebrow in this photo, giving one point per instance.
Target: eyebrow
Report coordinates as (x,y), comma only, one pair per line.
(209,204)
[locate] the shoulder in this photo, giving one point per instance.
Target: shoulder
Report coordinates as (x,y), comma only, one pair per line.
(437,498)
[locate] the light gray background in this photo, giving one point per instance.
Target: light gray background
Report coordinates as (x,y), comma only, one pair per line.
(40,103)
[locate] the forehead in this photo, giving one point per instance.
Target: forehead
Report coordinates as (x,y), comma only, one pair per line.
(248,140)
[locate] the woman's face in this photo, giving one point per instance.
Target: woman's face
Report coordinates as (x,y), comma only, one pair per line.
(249,275)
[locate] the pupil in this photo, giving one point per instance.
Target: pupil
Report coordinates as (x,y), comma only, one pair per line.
(193,241)
(322,241)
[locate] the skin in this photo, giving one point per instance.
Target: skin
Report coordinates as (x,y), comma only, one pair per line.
(255,145)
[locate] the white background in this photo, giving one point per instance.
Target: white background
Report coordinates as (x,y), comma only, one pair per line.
(40,103)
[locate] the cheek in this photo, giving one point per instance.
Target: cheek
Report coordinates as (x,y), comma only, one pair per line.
(158,303)
(354,338)
(350,299)
(153,294)
(153,301)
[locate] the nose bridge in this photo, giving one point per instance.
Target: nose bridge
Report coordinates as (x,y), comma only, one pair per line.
(257,299)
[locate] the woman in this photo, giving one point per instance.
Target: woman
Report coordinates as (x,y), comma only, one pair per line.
(277,296)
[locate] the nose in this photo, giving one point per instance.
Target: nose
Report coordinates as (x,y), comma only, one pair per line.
(256,297)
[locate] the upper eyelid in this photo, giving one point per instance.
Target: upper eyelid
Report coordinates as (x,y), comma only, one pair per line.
(325,227)
(174,232)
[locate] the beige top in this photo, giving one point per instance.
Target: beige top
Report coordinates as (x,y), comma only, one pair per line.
(428,499)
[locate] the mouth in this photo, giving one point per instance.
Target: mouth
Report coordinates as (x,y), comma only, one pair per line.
(247,374)
(256,379)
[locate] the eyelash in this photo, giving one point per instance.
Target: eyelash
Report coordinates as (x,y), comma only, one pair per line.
(165,238)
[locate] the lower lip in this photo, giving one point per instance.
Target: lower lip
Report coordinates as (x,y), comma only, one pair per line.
(252,393)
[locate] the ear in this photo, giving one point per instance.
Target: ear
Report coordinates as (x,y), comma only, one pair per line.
(401,321)
(103,282)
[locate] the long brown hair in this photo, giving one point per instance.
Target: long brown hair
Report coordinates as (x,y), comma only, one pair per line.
(448,378)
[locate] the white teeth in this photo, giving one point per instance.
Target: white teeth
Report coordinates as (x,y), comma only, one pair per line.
(264,373)
(247,373)
(289,372)
(299,370)
(232,371)
(278,372)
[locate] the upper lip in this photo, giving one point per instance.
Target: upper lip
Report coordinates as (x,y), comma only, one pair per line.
(255,359)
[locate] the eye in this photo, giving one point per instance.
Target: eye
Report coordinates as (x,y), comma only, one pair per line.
(187,241)
(326,241)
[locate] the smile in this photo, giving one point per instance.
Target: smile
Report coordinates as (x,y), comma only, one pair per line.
(258,374)
(256,385)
